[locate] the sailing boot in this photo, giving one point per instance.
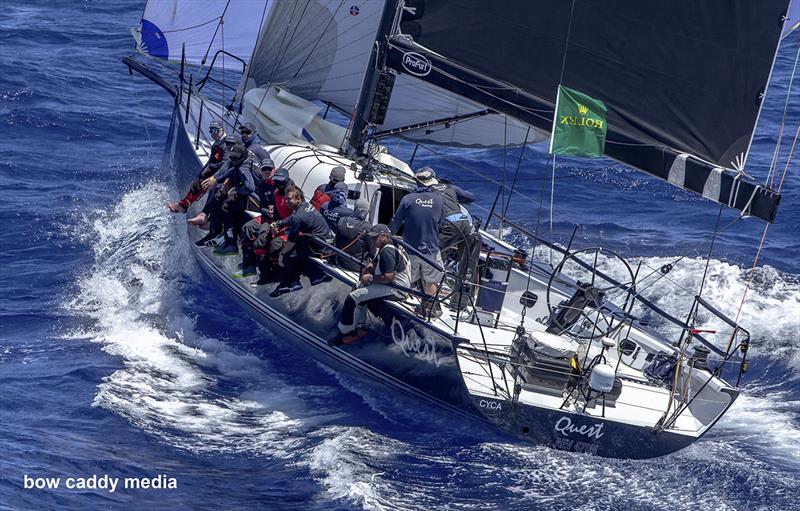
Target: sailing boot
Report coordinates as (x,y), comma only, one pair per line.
(266,272)
(230,247)
(354,336)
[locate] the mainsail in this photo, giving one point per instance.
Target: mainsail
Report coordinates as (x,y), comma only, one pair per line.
(203,26)
(683,82)
(319,49)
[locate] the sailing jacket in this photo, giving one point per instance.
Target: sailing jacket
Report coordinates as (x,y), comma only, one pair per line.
(420,213)
(453,196)
(253,144)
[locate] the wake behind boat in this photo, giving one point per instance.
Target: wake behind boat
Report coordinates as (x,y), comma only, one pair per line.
(571,355)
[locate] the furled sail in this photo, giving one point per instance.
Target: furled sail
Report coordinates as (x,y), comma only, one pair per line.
(204,26)
(683,82)
(319,49)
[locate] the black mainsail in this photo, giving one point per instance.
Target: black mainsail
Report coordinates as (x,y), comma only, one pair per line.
(683,81)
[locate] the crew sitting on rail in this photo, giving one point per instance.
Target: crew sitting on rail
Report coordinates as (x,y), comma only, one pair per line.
(264,241)
(351,236)
(203,219)
(323,192)
(216,157)
(388,266)
(238,178)
(303,226)
(336,208)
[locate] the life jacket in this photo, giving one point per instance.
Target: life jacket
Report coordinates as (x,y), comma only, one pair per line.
(280,205)
(319,199)
(402,277)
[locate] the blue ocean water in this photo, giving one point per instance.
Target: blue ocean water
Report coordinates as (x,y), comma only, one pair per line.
(118,358)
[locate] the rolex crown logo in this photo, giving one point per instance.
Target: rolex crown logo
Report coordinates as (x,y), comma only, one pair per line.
(583,109)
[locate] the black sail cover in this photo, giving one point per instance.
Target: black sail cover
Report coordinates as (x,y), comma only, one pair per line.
(682,80)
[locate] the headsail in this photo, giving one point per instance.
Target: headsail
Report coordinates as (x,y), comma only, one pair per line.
(792,18)
(204,26)
(683,82)
(318,50)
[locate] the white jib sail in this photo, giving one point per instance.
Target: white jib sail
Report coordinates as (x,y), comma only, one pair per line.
(204,26)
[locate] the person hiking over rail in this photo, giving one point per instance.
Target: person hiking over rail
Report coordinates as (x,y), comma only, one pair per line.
(389,265)
(303,225)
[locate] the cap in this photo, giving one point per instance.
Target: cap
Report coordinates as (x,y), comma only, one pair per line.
(361,205)
(231,139)
(215,125)
(280,175)
(337,174)
(426,176)
(249,126)
(378,229)
(237,152)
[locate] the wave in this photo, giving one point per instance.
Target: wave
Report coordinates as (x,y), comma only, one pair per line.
(173,379)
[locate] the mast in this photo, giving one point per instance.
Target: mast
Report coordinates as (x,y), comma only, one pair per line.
(367,95)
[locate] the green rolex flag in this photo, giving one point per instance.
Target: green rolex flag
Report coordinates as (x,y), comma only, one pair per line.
(579,126)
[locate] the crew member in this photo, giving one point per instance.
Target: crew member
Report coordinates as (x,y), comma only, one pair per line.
(336,208)
(231,198)
(420,213)
(303,226)
(253,144)
(323,192)
(388,266)
(458,237)
(351,236)
(262,242)
(216,190)
(257,237)
(213,164)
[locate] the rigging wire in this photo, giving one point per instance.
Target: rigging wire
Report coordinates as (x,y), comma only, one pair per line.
(211,42)
(752,271)
(516,170)
(771,174)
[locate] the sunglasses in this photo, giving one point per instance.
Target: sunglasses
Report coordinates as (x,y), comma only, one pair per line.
(213,130)
(245,131)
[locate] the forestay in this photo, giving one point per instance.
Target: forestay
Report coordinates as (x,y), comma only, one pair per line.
(204,26)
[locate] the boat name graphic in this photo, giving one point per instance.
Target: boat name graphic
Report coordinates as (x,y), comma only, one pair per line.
(416,64)
(425,203)
(566,427)
(414,344)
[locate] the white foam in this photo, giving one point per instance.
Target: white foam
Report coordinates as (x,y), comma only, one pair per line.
(168,385)
(347,463)
(771,310)
(766,422)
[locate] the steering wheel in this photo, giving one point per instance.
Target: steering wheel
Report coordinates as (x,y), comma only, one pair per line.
(615,284)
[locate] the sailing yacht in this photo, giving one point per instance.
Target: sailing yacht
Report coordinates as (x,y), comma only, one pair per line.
(570,354)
